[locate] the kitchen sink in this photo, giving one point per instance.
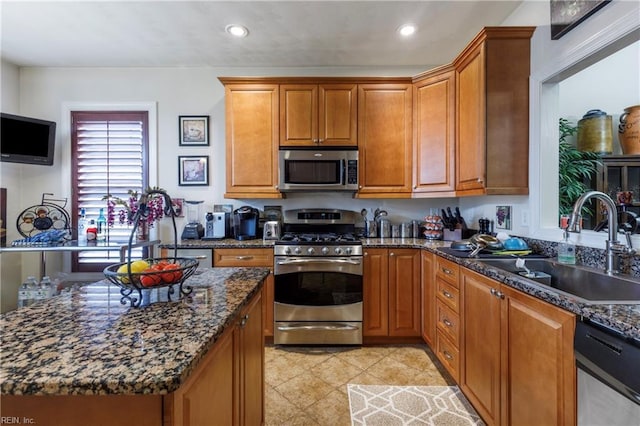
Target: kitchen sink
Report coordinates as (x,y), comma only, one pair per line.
(587,284)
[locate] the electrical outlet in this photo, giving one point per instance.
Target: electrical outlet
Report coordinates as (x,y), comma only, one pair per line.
(524,218)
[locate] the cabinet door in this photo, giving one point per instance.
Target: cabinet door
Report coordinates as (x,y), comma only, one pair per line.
(337,116)
(233,257)
(434,142)
(375,292)
(207,397)
(470,120)
(404,292)
(251,141)
(428,288)
(480,372)
(298,114)
(385,140)
(251,368)
(538,379)
(267,305)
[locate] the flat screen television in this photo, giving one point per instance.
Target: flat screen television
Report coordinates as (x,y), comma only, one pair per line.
(27,140)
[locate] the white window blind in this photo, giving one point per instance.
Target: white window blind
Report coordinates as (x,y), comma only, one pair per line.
(109,157)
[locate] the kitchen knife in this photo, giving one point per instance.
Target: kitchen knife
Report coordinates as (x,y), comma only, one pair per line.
(460,219)
(445,219)
(452,218)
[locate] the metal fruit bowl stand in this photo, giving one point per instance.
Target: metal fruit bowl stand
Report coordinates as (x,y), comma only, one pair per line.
(132,284)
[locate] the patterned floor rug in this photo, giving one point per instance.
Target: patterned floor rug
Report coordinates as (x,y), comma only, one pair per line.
(373,405)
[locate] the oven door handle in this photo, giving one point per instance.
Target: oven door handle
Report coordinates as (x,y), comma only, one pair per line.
(326,327)
(318,260)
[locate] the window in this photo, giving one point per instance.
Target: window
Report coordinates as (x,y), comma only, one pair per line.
(109,156)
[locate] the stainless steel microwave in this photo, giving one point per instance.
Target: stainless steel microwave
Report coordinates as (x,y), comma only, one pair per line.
(318,170)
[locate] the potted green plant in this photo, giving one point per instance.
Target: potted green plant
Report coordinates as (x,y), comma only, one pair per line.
(575,168)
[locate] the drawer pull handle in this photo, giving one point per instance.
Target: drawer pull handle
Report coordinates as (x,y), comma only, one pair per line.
(244,257)
(447,322)
(496,293)
(447,294)
(447,355)
(447,271)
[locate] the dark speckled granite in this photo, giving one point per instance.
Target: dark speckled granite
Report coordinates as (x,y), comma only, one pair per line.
(622,318)
(86,343)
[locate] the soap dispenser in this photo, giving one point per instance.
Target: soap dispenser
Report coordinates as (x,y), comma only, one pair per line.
(566,250)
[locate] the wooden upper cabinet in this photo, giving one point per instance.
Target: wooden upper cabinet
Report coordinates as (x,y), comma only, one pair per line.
(434,133)
(492,113)
(385,140)
(251,140)
(318,114)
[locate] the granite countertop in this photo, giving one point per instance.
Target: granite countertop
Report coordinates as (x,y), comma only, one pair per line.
(622,318)
(85,342)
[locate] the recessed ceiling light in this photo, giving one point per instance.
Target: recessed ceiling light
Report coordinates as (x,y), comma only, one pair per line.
(237,30)
(407,29)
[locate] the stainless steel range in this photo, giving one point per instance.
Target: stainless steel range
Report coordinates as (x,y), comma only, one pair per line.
(318,279)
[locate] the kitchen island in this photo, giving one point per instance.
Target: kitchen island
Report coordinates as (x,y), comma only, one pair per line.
(84,358)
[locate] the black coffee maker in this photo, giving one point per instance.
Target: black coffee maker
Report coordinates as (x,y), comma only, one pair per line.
(245,223)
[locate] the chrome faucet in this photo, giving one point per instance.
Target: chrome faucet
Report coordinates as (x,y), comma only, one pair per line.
(613,246)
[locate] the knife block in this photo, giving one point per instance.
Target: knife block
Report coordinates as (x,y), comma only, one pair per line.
(458,234)
(455,235)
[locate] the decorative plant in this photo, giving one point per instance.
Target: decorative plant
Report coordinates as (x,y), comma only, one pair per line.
(575,167)
(152,199)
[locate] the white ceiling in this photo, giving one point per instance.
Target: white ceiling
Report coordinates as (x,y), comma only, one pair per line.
(282,34)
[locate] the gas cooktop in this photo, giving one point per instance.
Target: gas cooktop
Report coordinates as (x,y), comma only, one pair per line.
(315,238)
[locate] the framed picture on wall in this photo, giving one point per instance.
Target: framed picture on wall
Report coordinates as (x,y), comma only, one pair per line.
(503,217)
(193,170)
(194,130)
(566,15)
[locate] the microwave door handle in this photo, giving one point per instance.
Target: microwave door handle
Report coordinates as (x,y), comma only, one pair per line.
(343,178)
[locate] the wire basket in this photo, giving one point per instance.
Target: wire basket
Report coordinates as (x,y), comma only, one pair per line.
(135,277)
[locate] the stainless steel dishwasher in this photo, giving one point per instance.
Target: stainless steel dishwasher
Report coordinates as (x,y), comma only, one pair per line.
(608,370)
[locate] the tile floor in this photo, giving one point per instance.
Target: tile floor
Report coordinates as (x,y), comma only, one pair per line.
(308,386)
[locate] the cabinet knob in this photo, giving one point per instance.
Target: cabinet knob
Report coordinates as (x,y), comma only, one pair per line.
(392,254)
(447,294)
(447,322)
(447,271)
(447,355)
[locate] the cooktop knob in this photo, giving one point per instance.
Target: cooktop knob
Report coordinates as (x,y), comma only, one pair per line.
(311,250)
(348,250)
(325,250)
(338,250)
(297,250)
(287,250)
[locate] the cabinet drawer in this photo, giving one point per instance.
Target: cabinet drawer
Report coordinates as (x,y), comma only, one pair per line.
(243,257)
(448,294)
(449,355)
(448,322)
(203,256)
(447,270)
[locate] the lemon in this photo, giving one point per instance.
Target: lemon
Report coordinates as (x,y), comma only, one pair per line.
(136,267)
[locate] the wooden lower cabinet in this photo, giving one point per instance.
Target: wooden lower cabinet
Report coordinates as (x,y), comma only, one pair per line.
(227,388)
(428,292)
(391,292)
(234,257)
(518,366)
(447,315)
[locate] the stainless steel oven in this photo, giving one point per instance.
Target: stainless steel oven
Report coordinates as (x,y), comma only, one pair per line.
(318,280)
